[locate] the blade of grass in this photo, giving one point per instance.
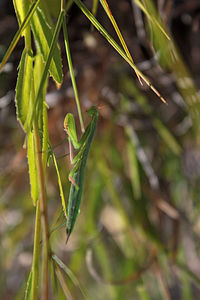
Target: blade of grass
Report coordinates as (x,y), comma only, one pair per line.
(19,33)
(28,287)
(151,18)
(100,28)
(23,87)
(60,185)
(117,30)
(71,276)
(43,35)
(63,284)
(72,74)
(95,7)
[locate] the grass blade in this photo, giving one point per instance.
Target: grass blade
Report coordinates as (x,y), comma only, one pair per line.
(60,185)
(28,287)
(72,74)
(71,275)
(43,35)
(117,30)
(100,28)
(32,163)
(23,87)
(151,18)
(19,33)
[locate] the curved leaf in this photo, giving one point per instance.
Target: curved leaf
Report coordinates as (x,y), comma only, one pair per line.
(43,35)
(23,87)
(32,162)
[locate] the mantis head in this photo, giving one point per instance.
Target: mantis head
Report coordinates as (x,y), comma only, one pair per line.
(70,129)
(92,111)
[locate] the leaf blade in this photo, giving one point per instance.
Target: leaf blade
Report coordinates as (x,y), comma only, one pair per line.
(43,35)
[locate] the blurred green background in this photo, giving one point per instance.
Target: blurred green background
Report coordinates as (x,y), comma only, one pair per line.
(137,235)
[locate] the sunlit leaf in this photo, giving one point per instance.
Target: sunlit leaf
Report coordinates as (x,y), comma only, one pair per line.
(43,35)
(32,162)
(23,87)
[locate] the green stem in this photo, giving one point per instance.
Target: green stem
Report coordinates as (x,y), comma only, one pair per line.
(43,204)
(62,7)
(72,74)
(36,252)
(44,218)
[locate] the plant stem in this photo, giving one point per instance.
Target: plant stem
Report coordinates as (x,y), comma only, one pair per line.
(72,74)
(42,203)
(36,252)
(44,218)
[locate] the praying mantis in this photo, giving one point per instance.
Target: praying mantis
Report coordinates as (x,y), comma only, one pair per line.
(76,175)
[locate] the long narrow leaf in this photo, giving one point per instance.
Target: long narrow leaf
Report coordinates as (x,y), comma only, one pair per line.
(32,163)
(21,9)
(43,36)
(72,74)
(23,87)
(28,287)
(100,28)
(151,18)
(60,185)
(71,275)
(117,30)
(19,33)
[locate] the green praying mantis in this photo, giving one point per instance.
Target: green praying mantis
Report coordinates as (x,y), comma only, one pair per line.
(76,175)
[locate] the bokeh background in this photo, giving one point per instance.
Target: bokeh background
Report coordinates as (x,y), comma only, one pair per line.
(137,235)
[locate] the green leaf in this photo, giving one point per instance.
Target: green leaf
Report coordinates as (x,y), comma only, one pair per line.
(43,119)
(60,185)
(52,7)
(37,105)
(32,162)
(72,74)
(28,287)
(23,87)
(21,9)
(43,35)
(71,276)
